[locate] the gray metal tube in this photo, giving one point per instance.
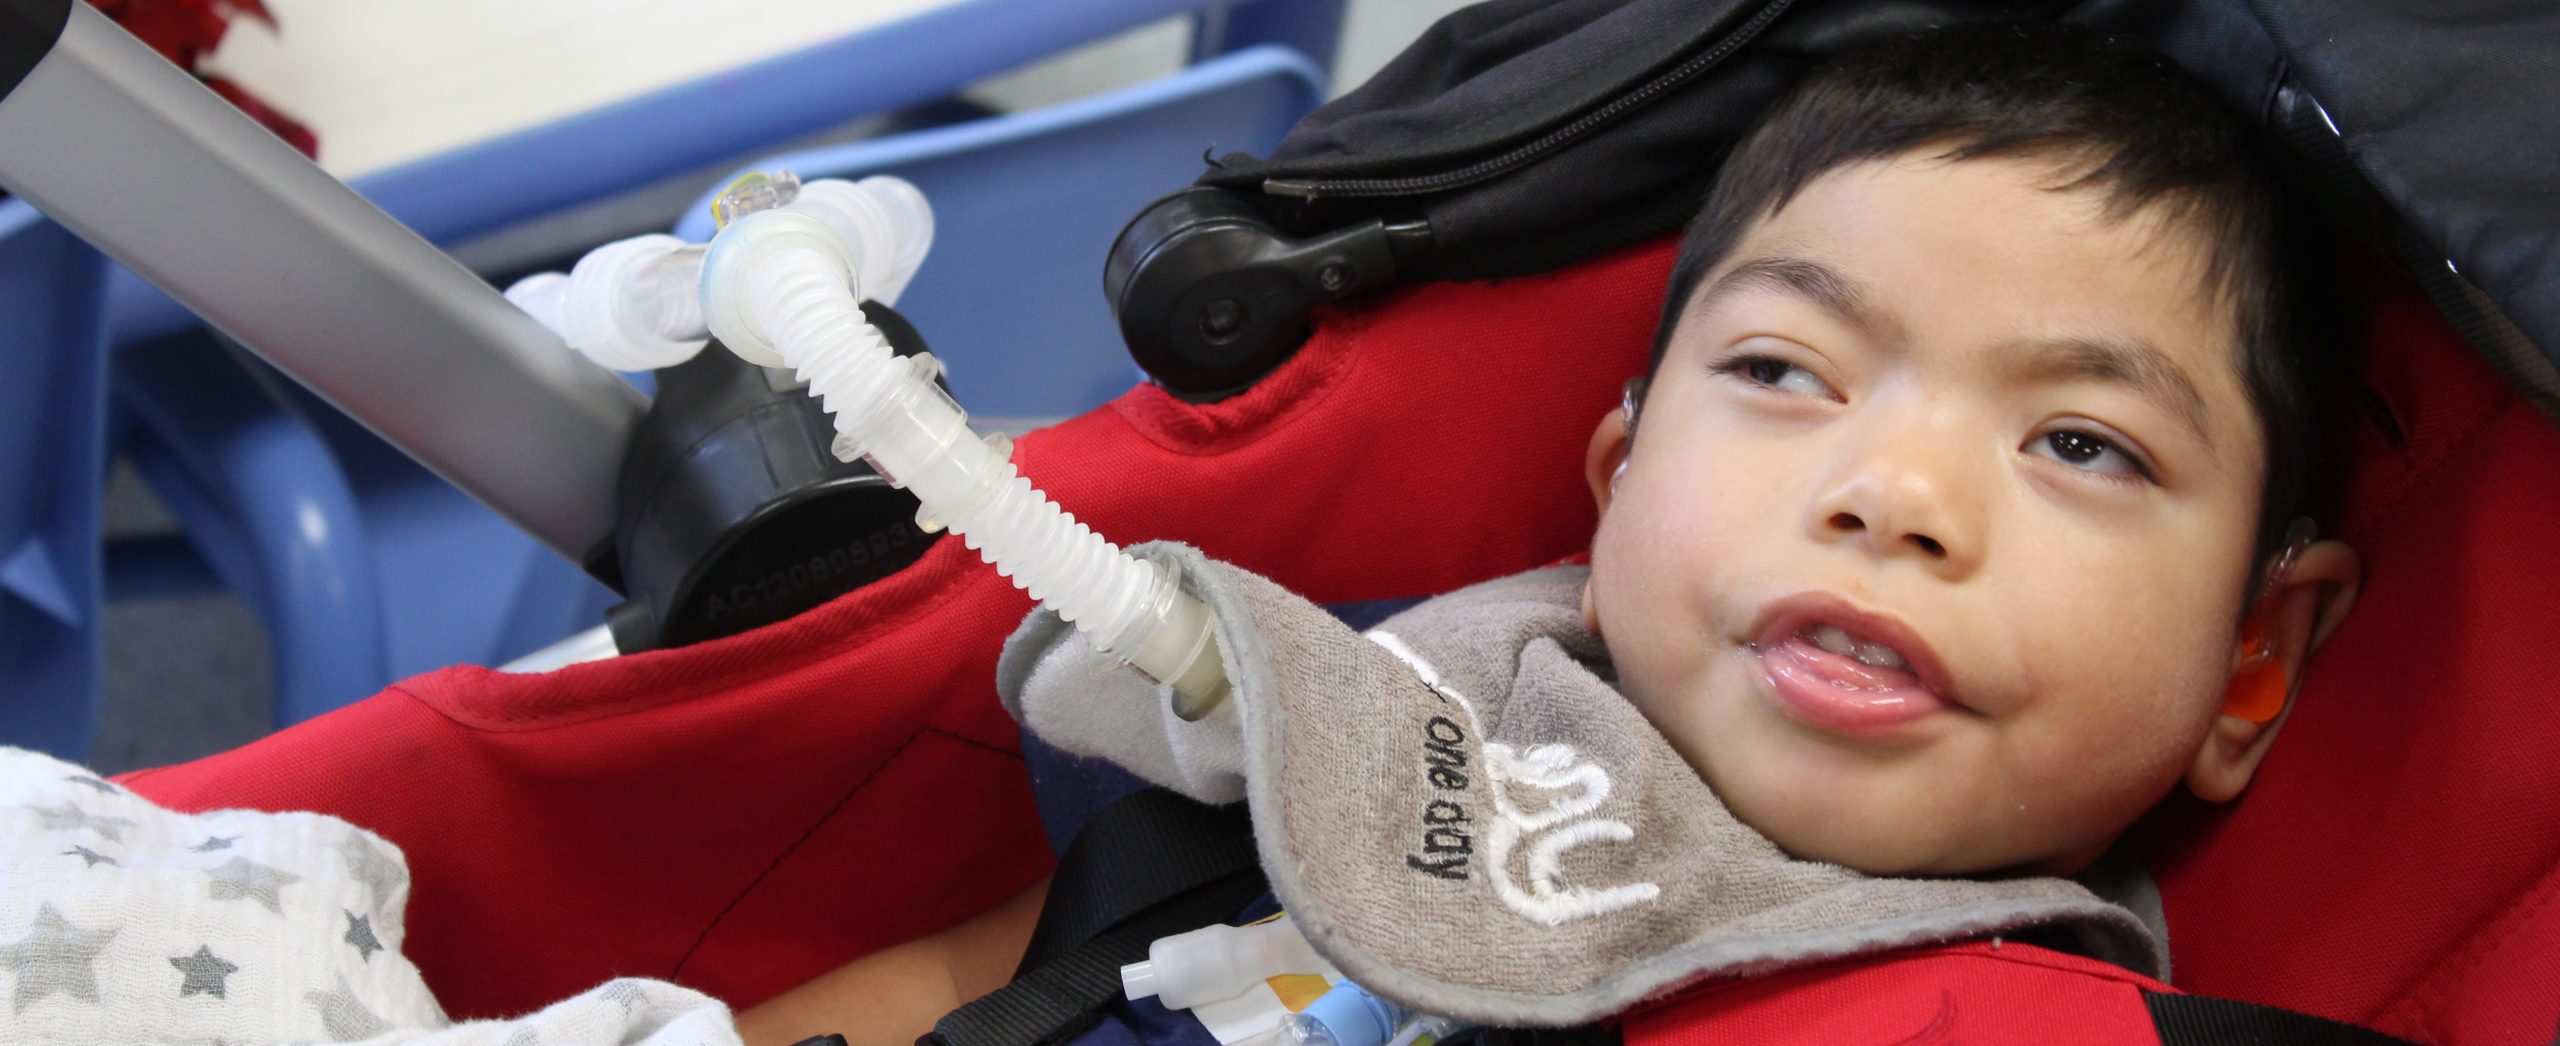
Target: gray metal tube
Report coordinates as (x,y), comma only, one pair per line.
(132,154)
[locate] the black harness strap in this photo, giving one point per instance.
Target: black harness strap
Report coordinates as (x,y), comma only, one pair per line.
(2196,1020)
(1150,865)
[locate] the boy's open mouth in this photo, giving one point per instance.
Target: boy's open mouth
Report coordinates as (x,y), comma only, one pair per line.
(1841,668)
(1838,640)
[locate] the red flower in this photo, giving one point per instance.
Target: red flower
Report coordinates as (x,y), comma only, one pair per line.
(184,31)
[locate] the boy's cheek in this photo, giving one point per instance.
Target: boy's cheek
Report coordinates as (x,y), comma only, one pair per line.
(1693,522)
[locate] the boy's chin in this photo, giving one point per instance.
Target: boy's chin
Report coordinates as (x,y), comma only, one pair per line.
(2069,864)
(1893,854)
(1904,847)
(1879,859)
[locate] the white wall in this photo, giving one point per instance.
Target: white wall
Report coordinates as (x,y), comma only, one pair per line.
(385,83)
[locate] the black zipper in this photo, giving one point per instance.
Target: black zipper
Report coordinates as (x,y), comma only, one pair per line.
(1483,170)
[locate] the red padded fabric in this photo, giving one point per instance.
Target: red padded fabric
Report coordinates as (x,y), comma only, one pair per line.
(2396,861)
(746,814)
(1968,993)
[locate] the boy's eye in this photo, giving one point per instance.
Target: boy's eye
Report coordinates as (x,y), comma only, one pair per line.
(1775,373)
(2088,451)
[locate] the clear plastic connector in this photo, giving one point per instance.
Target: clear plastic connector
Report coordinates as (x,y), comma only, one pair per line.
(754,191)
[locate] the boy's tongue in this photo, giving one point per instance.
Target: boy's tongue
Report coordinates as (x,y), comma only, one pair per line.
(1842,693)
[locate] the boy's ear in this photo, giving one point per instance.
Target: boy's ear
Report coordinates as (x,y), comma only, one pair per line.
(2297,614)
(1601,463)
(1606,455)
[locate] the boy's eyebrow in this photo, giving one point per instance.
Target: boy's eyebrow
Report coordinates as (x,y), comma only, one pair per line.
(1811,280)
(2130,362)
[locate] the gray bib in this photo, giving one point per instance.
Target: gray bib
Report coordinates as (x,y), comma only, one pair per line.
(1468,819)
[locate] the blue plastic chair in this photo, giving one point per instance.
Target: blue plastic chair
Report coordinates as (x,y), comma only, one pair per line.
(264,504)
(1025,209)
(52,461)
(366,568)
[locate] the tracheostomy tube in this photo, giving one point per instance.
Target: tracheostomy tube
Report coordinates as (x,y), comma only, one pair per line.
(781,286)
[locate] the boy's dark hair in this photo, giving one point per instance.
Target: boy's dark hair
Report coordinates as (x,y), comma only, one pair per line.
(2133,127)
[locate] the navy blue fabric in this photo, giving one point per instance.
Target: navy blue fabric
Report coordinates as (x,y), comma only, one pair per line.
(1068,788)
(1370,614)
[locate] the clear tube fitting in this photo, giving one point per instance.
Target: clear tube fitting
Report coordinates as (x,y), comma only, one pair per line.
(780,288)
(1218,962)
(1423,1029)
(886,218)
(638,304)
(629,305)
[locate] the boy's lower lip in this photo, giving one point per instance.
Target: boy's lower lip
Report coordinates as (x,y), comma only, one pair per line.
(1840,694)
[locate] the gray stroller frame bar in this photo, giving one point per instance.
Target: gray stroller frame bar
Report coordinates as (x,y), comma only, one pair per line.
(134,156)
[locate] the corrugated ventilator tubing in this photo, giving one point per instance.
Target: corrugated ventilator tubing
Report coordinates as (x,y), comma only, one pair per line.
(1086,579)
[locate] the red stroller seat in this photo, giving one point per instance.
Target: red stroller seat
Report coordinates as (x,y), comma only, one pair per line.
(745,814)
(2396,861)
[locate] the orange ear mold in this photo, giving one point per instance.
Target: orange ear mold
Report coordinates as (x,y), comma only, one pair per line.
(2259,688)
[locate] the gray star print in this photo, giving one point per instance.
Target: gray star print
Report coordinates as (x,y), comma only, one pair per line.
(360,934)
(86,781)
(70,817)
(55,956)
(205,972)
(344,1016)
(212,843)
(241,877)
(370,866)
(92,856)
(627,995)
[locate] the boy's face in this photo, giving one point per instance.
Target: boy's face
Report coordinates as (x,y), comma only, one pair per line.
(1940,408)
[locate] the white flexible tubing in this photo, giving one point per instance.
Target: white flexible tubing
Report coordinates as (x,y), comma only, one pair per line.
(798,300)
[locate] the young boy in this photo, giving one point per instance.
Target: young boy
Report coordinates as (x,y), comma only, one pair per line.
(1986,349)
(1954,527)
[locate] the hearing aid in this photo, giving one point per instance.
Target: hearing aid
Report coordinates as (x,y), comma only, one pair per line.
(1630,397)
(2260,687)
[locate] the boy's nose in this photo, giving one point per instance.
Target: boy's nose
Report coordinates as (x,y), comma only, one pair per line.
(1850,523)
(1902,500)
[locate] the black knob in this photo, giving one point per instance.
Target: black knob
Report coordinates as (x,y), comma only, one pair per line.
(1211,294)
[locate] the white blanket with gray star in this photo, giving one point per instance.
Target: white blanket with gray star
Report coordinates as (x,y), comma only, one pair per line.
(124,922)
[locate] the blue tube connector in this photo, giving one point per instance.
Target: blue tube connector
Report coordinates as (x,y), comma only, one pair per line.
(1348,1015)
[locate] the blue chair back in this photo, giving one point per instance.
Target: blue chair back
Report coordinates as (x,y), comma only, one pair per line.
(52,464)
